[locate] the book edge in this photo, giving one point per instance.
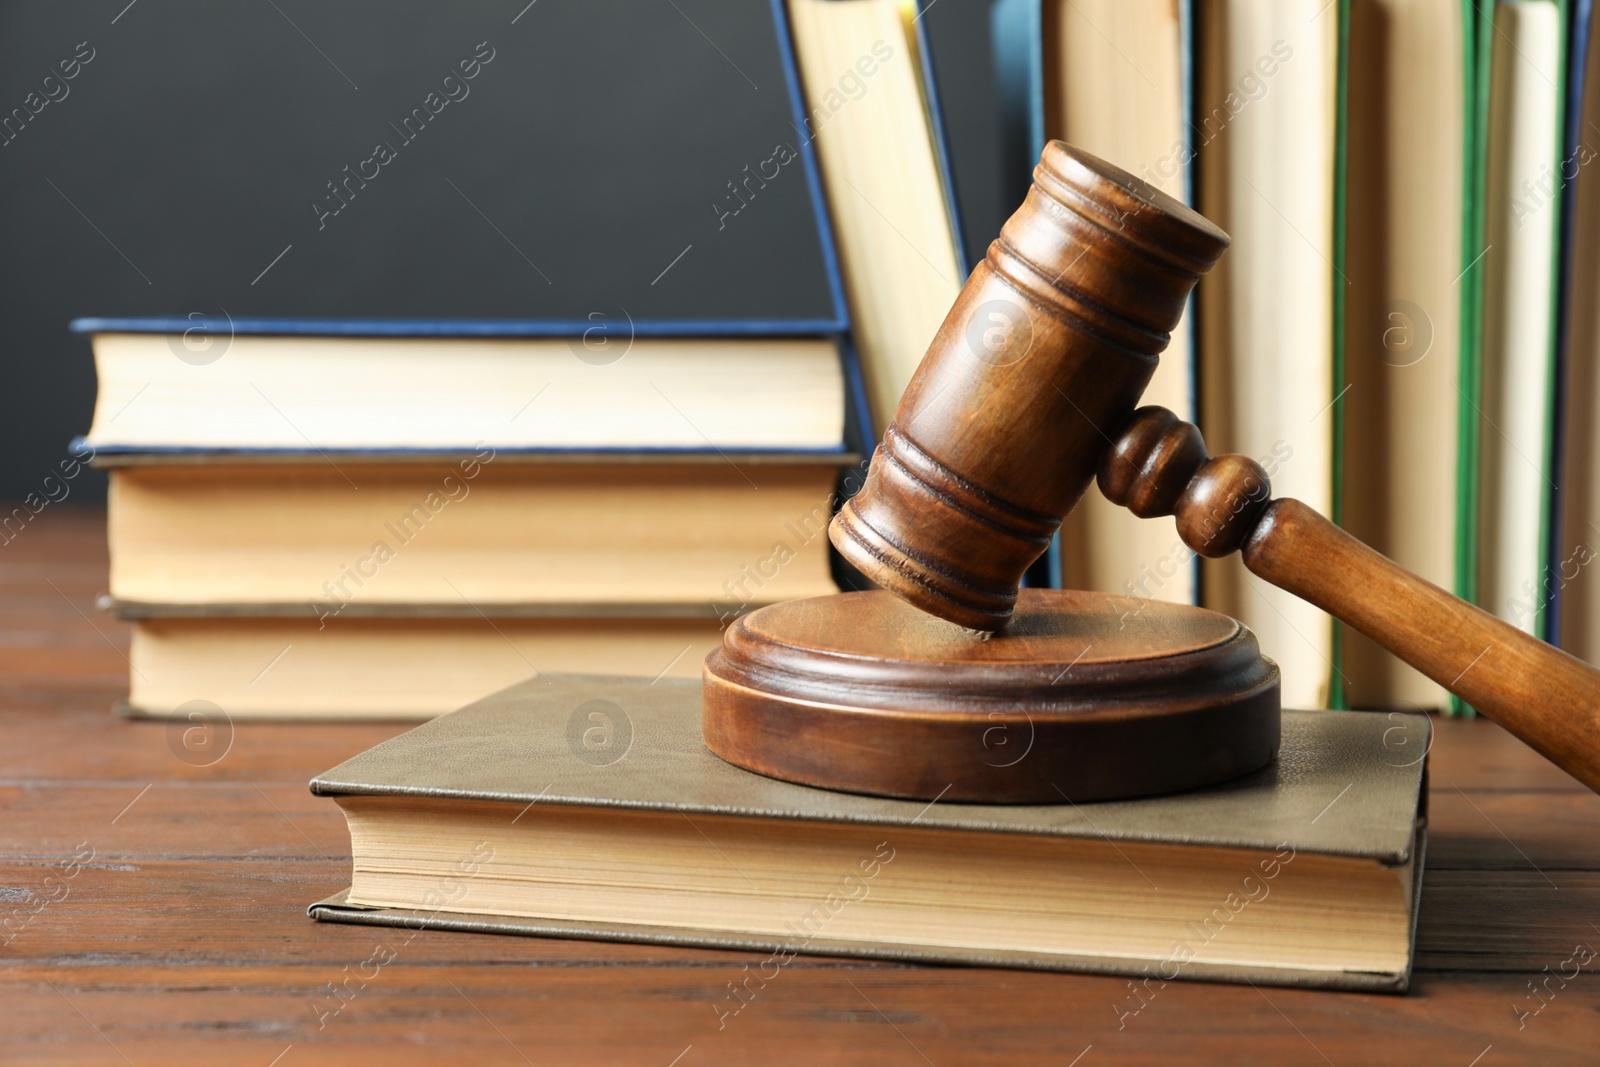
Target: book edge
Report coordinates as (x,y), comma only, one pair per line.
(328,785)
(334,909)
(511,328)
(109,454)
(138,610)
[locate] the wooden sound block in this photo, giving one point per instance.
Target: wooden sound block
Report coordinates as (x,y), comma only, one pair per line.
(1083,696)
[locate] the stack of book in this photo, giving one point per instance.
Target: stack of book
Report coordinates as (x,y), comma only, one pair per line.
(314,516)
(351,526)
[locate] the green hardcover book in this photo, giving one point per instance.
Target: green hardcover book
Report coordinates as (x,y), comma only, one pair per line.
(1509,302)
(587,807)
(1401,193)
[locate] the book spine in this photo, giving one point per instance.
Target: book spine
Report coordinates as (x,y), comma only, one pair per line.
(1337,697)
(808,159)
(1551,552)
(1477,40)
(936,127)
(1577,76)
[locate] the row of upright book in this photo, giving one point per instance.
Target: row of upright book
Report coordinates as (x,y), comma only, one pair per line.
(1401,332)
(378,517)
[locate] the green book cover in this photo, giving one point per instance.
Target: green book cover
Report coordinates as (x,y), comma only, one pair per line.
(1478,28)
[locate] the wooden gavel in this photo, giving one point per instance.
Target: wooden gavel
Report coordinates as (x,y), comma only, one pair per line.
(1029,391)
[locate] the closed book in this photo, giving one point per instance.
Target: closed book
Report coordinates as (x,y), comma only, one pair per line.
(580,305)
(588,807)
(1266,127)
(1577,597)
(872,110)
(399,662)
(610,385)
(484,177)
(482,532)
(1522,52)
(1398,305)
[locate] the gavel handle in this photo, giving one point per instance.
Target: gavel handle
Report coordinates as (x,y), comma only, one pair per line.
(1547,698)
(1542,695)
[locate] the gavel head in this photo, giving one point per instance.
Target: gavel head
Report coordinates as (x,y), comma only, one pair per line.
(1040,362)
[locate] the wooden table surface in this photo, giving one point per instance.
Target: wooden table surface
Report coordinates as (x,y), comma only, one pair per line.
(183,938)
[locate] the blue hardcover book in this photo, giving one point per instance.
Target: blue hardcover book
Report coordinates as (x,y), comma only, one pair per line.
(1017,28)
(283,393)
(1576,150)
(645,285)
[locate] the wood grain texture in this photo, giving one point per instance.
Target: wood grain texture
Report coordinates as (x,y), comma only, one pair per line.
(1547,698)
(184,940)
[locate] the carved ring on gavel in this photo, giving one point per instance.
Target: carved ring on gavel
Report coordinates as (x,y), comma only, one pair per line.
(949,682)
(1158,466)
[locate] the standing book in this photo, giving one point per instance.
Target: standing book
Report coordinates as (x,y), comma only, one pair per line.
(872,108)
(1266,120)
(1110,77)
(1406,74)
(1521,50)
(1575,552)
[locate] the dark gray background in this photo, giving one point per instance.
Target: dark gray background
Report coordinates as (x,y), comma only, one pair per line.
(188,153)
